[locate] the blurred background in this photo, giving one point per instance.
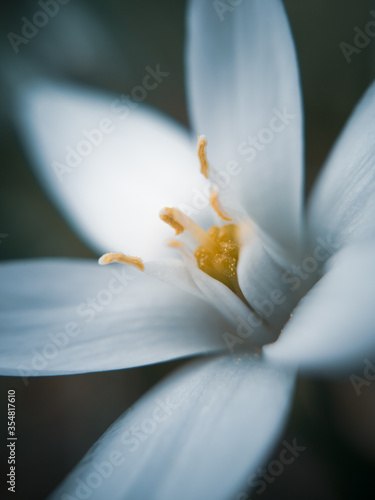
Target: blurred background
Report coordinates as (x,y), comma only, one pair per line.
(107,45)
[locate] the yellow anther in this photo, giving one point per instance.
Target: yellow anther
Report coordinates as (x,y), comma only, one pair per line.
(201,149)
(169,217)
(215,204)
(179,221)
(109,258)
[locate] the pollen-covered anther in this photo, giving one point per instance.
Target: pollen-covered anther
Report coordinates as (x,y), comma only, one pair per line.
(215,204)
(201,150)
(179,222)
(168,216)
(109,258)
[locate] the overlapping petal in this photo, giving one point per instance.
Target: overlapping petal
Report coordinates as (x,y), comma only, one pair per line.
(244,95)
(332,329)
(198,434)
(251,331)
(342,206)
(263,274)
(63,317)
(109,163)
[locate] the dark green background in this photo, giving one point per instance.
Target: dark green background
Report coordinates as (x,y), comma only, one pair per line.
(59,418)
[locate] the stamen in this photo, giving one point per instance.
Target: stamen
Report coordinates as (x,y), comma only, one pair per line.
(174,217)
(109,258)
(201,149)
(169,218)
(215,204)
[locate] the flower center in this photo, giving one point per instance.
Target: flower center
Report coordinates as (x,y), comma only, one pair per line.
(218,250)
(221,263)
(217,254)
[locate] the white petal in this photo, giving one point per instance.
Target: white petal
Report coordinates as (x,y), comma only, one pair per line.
(343,202)
(332,329)
(173,272)
(262,274)
(201,433)
(243,79)
(113,196)
(63,316)
(250,329)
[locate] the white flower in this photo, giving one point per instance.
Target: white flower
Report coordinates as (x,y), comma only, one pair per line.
(208,426)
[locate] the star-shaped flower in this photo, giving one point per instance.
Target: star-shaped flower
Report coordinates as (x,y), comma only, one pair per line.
(203,430)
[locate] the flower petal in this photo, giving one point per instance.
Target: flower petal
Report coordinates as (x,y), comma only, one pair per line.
(263,273)
(342,205)
(130,162)
(243,87)
(332,329)
(198,434)
(59,317)
(250,328)
(175,273)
